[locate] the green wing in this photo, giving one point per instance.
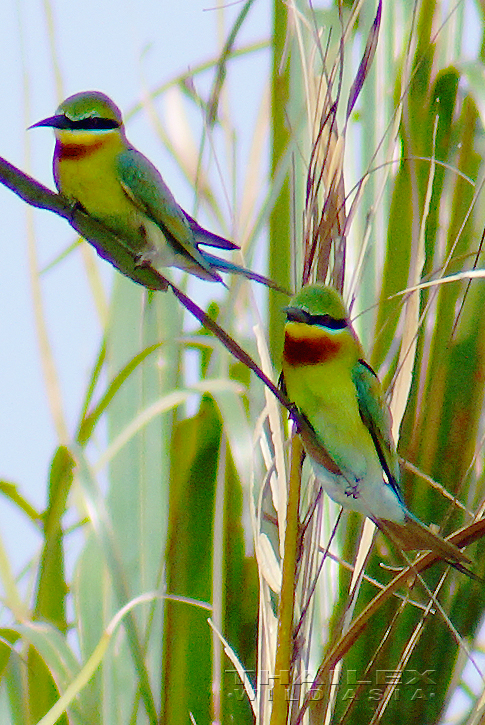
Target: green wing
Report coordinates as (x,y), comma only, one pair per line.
(144,185)
(376,416)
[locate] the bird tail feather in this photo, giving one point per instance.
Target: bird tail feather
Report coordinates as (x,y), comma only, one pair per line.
(204,236)
(224,265)
(415,535)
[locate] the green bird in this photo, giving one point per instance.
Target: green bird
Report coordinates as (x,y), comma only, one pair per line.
(354,456)
(98,170)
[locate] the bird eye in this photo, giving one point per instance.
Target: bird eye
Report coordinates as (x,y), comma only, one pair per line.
(102,123)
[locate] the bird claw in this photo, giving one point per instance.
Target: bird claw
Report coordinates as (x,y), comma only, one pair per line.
(74,207)
(294,415)
(144,259)
(353,489)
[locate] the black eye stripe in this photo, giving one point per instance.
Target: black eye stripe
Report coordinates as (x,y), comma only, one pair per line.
(299,315)
(93,123)
(327,321)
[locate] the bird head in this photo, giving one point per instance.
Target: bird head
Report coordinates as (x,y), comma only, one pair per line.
(317,328)
(81,118)
(318,304)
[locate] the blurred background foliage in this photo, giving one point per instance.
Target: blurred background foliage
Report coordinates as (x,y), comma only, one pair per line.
(366,169)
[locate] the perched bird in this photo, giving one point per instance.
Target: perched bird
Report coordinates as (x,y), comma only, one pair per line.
(325,376)
(97,169)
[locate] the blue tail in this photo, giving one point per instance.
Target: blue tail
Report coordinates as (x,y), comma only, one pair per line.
(204,236)
(222,265)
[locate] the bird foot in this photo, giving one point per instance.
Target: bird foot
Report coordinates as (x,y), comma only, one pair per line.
(145,259)
(352,489)
(74,206)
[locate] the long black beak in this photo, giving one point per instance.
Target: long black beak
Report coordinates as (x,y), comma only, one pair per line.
(295,314)
(60,121)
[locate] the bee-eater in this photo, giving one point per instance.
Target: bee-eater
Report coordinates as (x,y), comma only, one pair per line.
(326,377)
(99,171)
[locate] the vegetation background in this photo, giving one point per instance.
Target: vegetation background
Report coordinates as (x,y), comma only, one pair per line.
(166,493)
